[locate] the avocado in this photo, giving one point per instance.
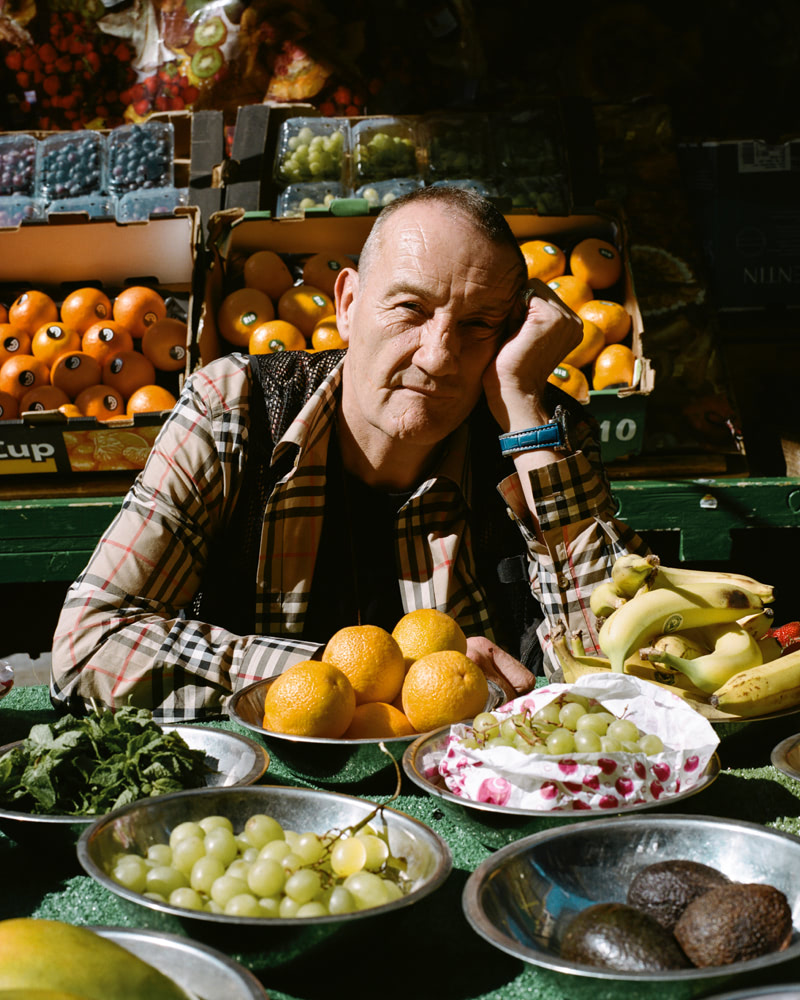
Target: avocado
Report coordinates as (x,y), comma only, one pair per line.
(734,923)
(666,888)
(620,937)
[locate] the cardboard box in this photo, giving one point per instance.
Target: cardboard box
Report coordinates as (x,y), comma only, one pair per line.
(744,196)
(60,256)
(236,234)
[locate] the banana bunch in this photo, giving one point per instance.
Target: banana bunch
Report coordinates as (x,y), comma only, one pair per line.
(712,629)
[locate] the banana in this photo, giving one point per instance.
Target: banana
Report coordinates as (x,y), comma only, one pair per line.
(631,572)
(680,644)
(653,612)
(761,690)
(575,667)
(758,624)
(605,599)
(770,647)
(686,579)
(734,650)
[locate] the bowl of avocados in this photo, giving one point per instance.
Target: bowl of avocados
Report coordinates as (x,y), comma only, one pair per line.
(612,910)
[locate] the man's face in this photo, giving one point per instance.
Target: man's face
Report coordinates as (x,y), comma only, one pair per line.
(423,325)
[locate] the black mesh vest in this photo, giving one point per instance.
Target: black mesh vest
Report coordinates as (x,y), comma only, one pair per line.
(287,380)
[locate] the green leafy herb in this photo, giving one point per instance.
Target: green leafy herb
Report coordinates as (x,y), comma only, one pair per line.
(89,766)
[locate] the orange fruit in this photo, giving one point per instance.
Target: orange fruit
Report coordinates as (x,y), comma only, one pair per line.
(137,308)
(9,406)
(126,371)
(3,313)
(43,397)
(592,343)
(371,660)
(69,410)
(322,269)
(13,341)
(443,688)
(304,306)
(150,399)
(613,367)
(164,343)
(22,372)
(100,401)
(275,335)
(428,631)
(571,380)
(103,339)
(326,336)
(31,310)
(375,720)
(612,318)
(267,271)
(52,340)
(74,372)
(310,698)
(571,290)
(597,262)
(241,312)
(544,259)
(85,306)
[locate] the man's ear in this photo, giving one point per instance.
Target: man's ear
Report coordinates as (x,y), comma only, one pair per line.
(345,292)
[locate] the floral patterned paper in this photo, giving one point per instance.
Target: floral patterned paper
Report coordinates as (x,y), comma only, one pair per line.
(606,782)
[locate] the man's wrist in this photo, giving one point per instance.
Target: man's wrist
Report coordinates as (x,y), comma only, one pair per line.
(551,434)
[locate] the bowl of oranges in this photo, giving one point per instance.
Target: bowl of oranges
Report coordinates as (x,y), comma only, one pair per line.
(352,712)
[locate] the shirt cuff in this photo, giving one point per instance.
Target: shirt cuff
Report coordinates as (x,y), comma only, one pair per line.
(565,491)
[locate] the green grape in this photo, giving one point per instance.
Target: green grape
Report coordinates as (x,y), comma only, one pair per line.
(204,872)
(348,856)
(508,730)
(377,850)
(587,742)
(226,887)
(220,843)
(305,135)
(239,868)
(303,885)
(269,906)
(164,880)
(596,722)
(156,897)
(309,848)
(266,877)
(242,905)
(560,741)
(288,907)
(131,872)
(367,889)
(623,730)
(610,745)
(182,830)
(209,823)
(186,852)
(630,746)
(521,744)
(341,900)
(570,713)
(291,837)
(261,829)
(291,862)
(549,714)
(313,909)
(275,849)
(577,699)
(250,855)
(187,898)
(159,854)
(484,722)
(469,743)
(651,744)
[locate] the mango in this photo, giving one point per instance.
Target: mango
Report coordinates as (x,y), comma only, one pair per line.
(49,955)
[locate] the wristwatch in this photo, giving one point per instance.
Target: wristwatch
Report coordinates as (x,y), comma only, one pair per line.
(551,435)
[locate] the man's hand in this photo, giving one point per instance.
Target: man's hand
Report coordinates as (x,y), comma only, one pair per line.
(515,380)
(500,666)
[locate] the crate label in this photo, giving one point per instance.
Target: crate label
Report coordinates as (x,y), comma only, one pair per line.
(622,430)
(17,459)
(758,157)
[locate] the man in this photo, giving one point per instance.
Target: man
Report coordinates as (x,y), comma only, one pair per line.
(384,488)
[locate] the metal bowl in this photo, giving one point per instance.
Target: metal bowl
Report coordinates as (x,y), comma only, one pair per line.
(233,760)
(522,897)
(785,757)
(496,825)
(200,970)
(149,821)
(320,759)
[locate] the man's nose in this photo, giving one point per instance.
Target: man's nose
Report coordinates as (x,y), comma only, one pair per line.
(438,349)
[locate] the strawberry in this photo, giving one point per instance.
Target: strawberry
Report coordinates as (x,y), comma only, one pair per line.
(787,635)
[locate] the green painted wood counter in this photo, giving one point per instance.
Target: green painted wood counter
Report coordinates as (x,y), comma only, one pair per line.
(46,538)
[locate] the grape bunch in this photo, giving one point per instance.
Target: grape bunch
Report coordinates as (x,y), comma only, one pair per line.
(17,168)
(384,156)
(139,157)
(72,165)
(312,157)
(571,723)
(265,870)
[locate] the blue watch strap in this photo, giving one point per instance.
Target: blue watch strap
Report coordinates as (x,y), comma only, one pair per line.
(550,435)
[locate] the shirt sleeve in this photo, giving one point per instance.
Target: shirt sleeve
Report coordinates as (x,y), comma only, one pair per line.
(581,537)
(125,634)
